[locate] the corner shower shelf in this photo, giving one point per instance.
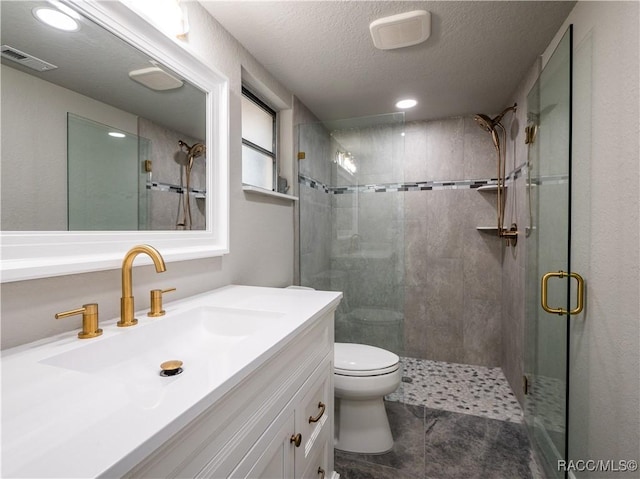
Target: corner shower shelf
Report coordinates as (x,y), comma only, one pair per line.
(489,188)
(493,189)
(265,192)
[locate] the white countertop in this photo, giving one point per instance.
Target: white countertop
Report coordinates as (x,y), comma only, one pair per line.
(65,423)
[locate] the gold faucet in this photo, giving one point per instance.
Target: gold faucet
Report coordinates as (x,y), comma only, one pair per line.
(126,302)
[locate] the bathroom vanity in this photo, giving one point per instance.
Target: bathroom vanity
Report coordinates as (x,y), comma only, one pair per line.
(254,399)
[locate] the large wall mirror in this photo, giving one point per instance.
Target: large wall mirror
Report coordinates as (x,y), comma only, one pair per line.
(112,134)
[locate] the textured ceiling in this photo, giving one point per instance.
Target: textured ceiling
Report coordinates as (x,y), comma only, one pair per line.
(322,51)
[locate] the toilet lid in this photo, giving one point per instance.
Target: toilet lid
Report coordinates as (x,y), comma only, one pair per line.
(363,360)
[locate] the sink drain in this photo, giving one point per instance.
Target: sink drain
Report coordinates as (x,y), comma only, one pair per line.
(171,368)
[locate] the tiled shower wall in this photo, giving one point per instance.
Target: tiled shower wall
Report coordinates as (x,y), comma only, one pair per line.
(450,283)
(452,301)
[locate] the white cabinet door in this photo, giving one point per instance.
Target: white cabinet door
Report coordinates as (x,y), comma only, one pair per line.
(309,417)
(272,456)
(319,463)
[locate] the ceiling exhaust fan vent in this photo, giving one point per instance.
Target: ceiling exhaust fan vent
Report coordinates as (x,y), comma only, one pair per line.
(156,79)
(402,30)
(25,59)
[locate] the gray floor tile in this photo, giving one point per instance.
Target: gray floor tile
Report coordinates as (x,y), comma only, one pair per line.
(407,455)
(465,446)
(451,421)
(355,469)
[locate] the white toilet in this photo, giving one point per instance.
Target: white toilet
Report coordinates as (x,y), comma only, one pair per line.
(363,375)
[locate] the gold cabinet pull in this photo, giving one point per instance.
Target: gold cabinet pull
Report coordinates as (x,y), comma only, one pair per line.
(322,407)
(321,472)
(544,295)
(89,313)
(296,439)
(156,302)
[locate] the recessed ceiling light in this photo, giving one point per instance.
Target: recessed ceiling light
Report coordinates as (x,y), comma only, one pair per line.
(64,9)
(56,19)
(116,134)
(408,103)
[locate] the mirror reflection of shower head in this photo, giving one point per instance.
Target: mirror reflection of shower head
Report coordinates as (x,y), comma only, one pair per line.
(197,150)
(194,151)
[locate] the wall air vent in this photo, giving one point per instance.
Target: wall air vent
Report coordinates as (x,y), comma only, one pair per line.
(25,59)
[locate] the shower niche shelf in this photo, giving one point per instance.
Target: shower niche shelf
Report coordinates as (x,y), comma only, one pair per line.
(488,189)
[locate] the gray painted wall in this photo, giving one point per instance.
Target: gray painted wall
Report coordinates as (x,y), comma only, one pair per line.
(34,187)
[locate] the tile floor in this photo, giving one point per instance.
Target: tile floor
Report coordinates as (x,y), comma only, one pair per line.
(449,421)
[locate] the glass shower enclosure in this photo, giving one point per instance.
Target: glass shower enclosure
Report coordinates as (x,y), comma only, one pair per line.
(351,223)
(548,283)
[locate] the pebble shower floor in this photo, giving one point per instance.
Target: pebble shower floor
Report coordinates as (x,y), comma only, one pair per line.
(461,388)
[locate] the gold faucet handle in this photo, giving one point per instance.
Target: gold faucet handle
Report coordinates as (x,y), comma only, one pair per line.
(156,302)
(89,320)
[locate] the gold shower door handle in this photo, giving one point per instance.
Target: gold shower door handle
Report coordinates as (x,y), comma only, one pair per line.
(561,311)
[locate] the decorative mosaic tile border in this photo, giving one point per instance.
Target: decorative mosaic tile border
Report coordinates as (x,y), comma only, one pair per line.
(158,186)
(312,183)
(425,185)
(393,187)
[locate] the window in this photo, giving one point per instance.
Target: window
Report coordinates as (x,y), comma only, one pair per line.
(259,134)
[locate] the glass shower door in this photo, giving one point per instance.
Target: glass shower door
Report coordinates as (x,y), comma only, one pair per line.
(352,224)
(106,183)
(548,259)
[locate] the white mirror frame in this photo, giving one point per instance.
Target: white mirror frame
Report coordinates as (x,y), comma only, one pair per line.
(36,254)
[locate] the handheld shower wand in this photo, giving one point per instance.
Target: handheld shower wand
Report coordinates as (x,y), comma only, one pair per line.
(193,152)
(495,127)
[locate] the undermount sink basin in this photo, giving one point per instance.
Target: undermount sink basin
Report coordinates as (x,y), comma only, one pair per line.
(198,337)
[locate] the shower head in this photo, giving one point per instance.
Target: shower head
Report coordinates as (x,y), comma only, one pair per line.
(489,124)
(197,150)
(484,121)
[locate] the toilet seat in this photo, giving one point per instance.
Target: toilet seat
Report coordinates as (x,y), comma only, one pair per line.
(363,360)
